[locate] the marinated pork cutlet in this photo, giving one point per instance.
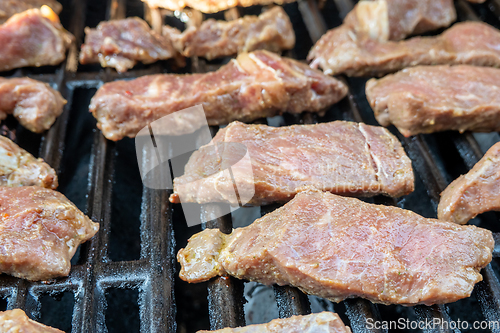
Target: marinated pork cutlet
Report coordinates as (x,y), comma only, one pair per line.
(210,6)
(326,322)
(254,85)
(11,7)
(341,157)
(474,193)
(33,103)
(123,43)
(429,99)
(33,38)
(20,168)
(40,230)
(16,321)
(340,51)
(271,30)
(337,247)
(396,19)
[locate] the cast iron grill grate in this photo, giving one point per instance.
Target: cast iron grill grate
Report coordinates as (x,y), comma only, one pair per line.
(101,177)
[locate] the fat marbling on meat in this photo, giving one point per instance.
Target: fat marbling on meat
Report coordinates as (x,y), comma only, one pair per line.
(342,157)
(33,38)
(428,99)
(341,51)
(254,85)
(325,322)
(338,247)
(16,321)
(474,193)
(123,43)
(40,230)
(33,103)
(20,168)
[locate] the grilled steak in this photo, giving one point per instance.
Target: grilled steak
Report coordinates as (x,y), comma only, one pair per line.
(337,247)
(33,38)
(395,19)
(428,99)
(211,6)
(122,43)
(16,321)
(326,322)
(40,230)
(341,157)
(33,103)
(11,7)
(341,51)
(20,168)
(474,193)
(252,86)
(271,30)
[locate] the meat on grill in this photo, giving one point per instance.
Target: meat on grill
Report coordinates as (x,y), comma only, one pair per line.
(33,103)
(474,193)
(341,51)
(40,230)
(20,168)
(338,247)
(395,19)
(326,322)
(428,99)
(341,157)
(210,6)
(33,38)
(123,43)
(254,85)
(16,321)
(271,30)
(11,7)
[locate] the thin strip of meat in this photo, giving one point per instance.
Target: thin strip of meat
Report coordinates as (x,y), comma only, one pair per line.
(33,103)
(337,247)
(210,6)
(474,193)
(254,85)
(341,51)
(20,168)
(16,321)
(11,7)
(341,157)
(428,99)
(271,30)
(396,19)
(326,322)
(40,230)
(33,38)
(123,43)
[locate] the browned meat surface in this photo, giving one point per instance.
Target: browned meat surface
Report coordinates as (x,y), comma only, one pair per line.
(271,30)
(326,322)
(20,168)
(33,103)
(338,247)
(474,193)
(33,38)
(254,85)
(40,230)
(395,19)
(210,6)
(123,43)
(340,51)
(16,321)
(11,7)
(428,99)
(341,157)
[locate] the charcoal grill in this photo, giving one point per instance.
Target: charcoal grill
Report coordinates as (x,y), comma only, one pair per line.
(124,279)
